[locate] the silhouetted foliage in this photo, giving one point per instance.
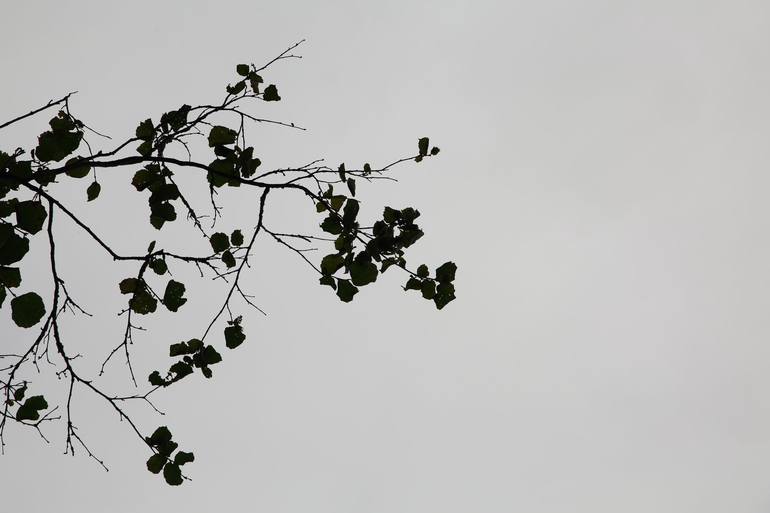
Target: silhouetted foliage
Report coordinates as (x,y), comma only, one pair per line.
(357,252)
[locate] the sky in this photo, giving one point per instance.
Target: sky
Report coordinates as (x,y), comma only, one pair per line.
(601,187)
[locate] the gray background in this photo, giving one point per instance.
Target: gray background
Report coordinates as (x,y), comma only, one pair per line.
(602,187)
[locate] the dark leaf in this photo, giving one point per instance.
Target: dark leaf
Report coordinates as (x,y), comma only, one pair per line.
(422,145)
(337,201)
(30,216)
(391,215)
(363,273)
(142,302)
(221,135)
(93,191)
(18,394)
(145,131)
(331,263)
(158,265)
(172,298)
(129,285)
(172,474)
(237,88)
(328,280)
(159,436)
(181,457)
(155,463)
(78,170)
(350,212)
(56,145)
(254,81)
(242,69)
(10,277)
(332,225)
(234,336)
(446,272)
(219,242)
(31,408)
(428,289)
(155,379)
(271,94)
(413,284)
(228,259)
(180,370)
(236,238)
(27,309)
(210,356)
(346,290)
(144,149)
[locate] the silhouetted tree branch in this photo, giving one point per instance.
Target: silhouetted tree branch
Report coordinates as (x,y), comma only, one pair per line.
(29,204)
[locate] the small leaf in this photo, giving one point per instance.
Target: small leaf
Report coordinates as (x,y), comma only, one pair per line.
(142,302)
(236,238)
(158,265)
(12,246)
(10,277)
(445,293)
(350,212)
(254,81)
(172,474)
(341,171)
(155,463)
(422,145)
(363,273)
(145,131)
(228,259)
(27,309)
(446,272)
(331,263)
(352,186)
(18,394)
(144,149)
(182,457)
(237,88)
(159,436)
(271,94)
(242,69)
(210,356)
(221,135)
(337,201)
(30,216)
(346,290)
(391,215)
(31,408)
(434,151)
(234,336)
(332,225)
(93,191)
(172,298)
(77,170)
(219,242)
(328,280)
(129,285)
(155,379)
(428,289)
(413,284)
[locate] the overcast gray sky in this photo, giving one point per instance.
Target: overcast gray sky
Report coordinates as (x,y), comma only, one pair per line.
(602,187)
